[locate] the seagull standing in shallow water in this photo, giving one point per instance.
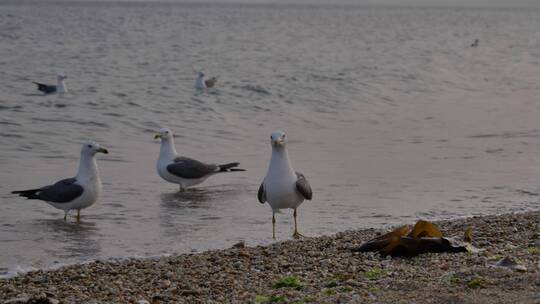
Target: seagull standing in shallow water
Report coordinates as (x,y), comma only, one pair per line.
(283,188)
(201,83)
(74,193)
(60,86)
(181,170)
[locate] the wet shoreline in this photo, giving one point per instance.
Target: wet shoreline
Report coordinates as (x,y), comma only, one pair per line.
(311,270)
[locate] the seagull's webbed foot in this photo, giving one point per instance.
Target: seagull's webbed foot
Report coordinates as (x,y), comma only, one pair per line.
(296,235)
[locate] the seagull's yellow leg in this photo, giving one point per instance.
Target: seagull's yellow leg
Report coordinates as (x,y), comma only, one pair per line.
(296,234)
(273,225)
(78,215)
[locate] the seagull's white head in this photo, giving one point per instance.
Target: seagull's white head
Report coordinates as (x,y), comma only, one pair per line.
(91,148)
(278,138)
(164,134)
(61,77)
(200,75)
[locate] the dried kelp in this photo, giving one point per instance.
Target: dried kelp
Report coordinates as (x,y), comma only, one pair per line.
(404,241)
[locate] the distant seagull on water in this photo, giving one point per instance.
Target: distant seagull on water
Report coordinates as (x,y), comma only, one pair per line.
(74,193)
(201,83)
(283,188)
(475,43)
(184,171)
(60,86)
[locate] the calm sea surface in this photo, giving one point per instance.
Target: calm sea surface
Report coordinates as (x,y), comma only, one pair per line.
(390,113)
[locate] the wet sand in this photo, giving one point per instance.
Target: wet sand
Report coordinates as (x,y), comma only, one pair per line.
(310,270)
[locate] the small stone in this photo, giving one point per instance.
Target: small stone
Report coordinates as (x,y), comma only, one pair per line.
(240,244)
(244,254)
(39,280)
(143,301)
(520,268)
(165,284)
(508,262)
(188,292)
(53,301)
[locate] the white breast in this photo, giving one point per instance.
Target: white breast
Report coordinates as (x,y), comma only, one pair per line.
(280,187)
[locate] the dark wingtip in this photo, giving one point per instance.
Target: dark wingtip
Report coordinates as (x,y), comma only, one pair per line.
(229,167)
(25,193)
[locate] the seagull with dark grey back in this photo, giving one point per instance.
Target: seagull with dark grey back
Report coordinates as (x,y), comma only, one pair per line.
(184,171)
(60,86)
(283,188)
(201,83)
(74,193)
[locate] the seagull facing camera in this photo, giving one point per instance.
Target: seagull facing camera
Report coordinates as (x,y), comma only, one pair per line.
(282,187)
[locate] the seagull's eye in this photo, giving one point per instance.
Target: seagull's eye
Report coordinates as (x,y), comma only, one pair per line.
(89,146)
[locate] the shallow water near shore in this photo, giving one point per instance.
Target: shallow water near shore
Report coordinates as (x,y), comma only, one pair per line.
(390,114)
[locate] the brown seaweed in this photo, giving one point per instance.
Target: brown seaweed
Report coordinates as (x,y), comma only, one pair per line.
(403,241)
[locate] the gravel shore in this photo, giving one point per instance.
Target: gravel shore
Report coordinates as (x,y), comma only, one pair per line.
(310,270)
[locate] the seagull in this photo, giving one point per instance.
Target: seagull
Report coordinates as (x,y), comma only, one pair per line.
(74,193)
(202,84)
(283,188)
(475,43)
(60,86)
(181,170)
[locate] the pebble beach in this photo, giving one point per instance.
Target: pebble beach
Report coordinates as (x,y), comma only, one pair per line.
(310,270)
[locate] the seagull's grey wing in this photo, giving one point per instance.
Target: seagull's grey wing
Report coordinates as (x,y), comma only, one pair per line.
(45,88)
(210,82)
(62,192)
(302,186)
(261,194)
(190,168)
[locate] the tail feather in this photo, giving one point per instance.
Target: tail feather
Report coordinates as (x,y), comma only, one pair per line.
(230,167)
(30,194)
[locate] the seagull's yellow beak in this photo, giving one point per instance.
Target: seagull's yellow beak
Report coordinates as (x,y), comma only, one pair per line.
(103,150)
(279,142)
(157,136)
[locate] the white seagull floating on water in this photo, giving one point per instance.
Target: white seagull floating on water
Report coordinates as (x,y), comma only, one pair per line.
(283,188)
(201,83)
(181,170)
(74,193)
(60,86)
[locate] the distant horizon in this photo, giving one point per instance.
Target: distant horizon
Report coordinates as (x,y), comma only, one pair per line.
(382,3)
